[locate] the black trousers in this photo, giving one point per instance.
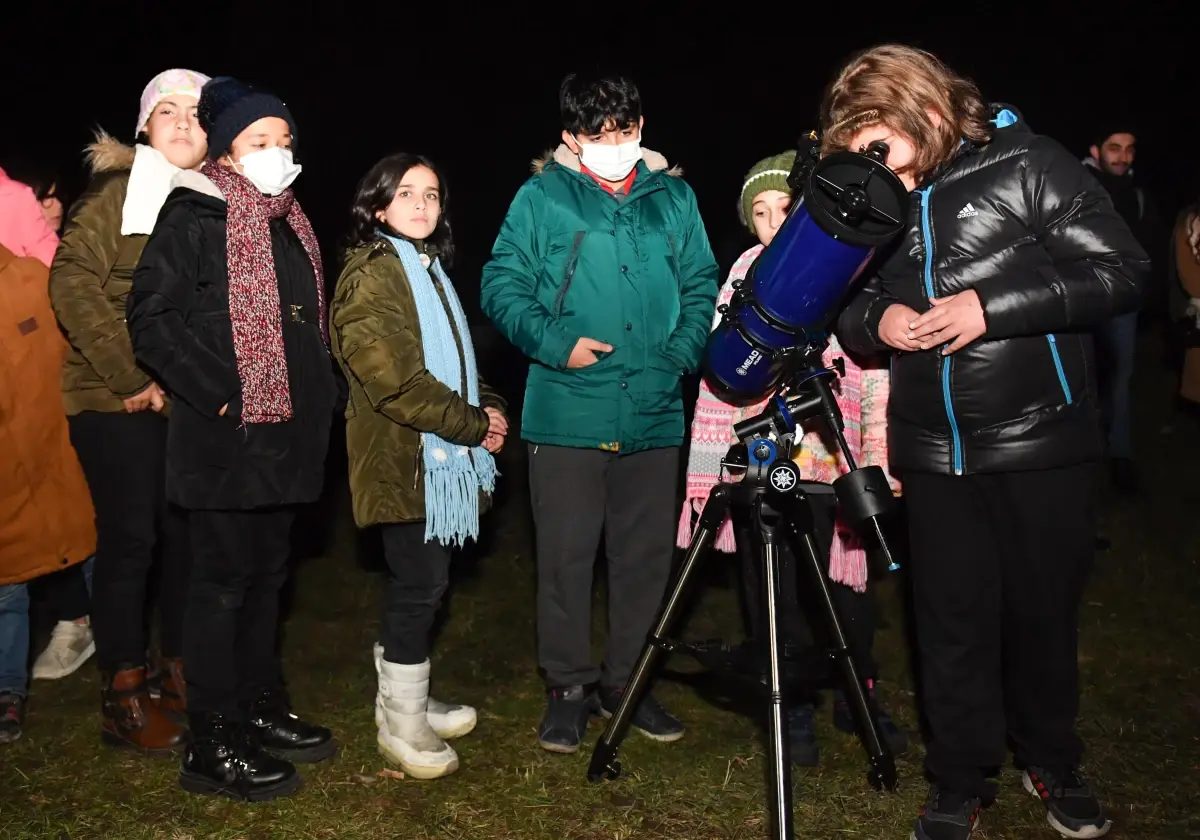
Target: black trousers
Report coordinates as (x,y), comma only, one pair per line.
(801,603)
(577,495)
(998,566)
(65,593)
(418,574)
(123,457)
(240,563)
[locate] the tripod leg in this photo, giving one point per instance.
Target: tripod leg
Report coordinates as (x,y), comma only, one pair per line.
(883,763)
(777,730)
(604,763)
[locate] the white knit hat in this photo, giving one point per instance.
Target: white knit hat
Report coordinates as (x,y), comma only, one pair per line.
(168,83)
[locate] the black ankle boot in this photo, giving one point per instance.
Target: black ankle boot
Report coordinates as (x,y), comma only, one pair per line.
(222,761)
(271,722)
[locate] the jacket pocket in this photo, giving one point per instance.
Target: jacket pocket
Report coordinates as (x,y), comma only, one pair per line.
(560,299)
(1059,370)
(663,379)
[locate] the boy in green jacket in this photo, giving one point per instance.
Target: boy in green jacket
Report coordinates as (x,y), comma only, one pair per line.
(603,276)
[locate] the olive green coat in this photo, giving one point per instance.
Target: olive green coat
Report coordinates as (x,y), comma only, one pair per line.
(376,338)
(89,281)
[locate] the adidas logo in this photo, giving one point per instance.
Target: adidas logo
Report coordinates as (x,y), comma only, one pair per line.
(967,212)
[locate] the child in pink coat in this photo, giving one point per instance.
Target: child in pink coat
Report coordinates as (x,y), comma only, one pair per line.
(862,396)
(23,227)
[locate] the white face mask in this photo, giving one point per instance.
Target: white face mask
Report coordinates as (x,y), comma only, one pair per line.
(271,170)
(611,162)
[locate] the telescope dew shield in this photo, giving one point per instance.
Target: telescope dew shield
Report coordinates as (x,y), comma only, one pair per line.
(851,204)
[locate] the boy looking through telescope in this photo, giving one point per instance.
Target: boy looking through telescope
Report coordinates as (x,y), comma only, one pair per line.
(1012,256)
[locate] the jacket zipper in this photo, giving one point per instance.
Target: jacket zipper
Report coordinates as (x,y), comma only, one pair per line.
(1058,367)
(560,299)
(417,462)
(947,362)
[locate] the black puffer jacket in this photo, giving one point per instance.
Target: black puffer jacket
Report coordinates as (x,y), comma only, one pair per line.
(1021,222)
(178,317)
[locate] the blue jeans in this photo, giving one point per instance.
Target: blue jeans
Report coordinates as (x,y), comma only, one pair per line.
(1120,339)
(14,639)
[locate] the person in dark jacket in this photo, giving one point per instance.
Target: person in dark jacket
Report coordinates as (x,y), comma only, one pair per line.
(1110,160)
(1012,257)
(227,312)
(421,427)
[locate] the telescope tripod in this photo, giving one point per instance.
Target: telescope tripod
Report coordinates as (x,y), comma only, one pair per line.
(772,490)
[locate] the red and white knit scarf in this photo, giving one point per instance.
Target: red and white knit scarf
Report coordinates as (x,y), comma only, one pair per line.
(254,307)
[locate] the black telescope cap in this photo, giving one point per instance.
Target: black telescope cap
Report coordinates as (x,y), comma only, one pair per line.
(855,198)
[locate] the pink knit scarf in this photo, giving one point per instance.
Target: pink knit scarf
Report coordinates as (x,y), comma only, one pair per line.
(254,307)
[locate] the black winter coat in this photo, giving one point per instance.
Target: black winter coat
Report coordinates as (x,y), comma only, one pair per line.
(1020,221)
(178,317)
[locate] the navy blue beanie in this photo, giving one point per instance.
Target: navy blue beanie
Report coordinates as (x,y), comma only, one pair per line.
(227,106)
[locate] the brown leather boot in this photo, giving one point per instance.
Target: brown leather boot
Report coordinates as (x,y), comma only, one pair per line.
(172,698)
(133,719)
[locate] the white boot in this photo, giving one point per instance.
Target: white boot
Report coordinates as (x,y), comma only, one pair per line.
(448,721)
(405,737)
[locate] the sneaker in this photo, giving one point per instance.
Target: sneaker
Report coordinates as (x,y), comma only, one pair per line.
(1071,807)
(12,715)
(567,712)
(843,720)
(70,646)
(802,736)
(649,718)
(947,816)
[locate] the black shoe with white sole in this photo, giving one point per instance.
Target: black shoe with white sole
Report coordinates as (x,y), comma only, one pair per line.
(649,718)
(568,709)
(1071,807)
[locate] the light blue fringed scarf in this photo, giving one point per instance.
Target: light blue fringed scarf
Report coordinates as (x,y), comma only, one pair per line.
(454,474)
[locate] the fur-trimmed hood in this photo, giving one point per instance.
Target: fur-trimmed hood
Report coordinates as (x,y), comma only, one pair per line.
(563,156)
(108,154)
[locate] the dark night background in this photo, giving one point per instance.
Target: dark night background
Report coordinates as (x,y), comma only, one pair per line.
(477,90)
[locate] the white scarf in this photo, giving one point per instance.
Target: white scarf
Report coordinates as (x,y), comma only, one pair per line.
(149,185)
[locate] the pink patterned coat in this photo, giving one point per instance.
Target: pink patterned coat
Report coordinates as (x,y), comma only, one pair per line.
(862,395)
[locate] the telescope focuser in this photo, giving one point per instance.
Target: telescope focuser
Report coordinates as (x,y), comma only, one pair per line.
(808,152)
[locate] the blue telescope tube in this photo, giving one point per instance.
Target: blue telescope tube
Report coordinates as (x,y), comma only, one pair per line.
(792,292)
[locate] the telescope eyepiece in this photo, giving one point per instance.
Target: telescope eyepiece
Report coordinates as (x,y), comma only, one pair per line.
(878,151)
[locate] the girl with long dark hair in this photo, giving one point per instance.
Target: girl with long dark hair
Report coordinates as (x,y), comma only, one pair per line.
(421,428)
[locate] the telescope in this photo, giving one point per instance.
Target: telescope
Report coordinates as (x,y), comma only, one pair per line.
(770,342)
(848,204)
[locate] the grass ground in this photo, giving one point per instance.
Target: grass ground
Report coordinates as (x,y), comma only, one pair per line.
(1140,708)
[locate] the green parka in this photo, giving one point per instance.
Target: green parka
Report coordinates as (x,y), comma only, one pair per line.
(376,338)
(636,271)
(89,281)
